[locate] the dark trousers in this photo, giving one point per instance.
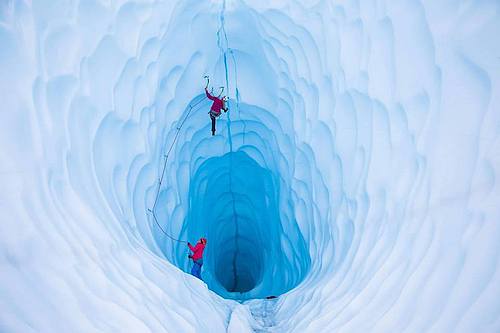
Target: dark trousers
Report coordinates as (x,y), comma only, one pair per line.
(213,124)
(196,270)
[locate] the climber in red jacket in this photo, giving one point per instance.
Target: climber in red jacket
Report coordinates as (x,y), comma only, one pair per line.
(197,257)
(217,105)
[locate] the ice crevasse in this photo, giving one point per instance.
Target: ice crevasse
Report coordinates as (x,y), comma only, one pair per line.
(354,177)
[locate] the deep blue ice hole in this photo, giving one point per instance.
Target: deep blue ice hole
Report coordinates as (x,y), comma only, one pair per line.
(253,251)
(234,202)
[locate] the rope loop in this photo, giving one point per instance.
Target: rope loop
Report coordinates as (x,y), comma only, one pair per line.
(160,180)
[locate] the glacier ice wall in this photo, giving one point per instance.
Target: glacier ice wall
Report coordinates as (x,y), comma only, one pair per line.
(355,174)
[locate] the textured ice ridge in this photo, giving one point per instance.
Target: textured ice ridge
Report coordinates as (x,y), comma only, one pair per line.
(355,174)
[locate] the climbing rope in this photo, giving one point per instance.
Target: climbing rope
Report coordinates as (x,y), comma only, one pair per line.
(160,180)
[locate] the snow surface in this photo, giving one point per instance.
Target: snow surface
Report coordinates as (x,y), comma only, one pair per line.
(354,176)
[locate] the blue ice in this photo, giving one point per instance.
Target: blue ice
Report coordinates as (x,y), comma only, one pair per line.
(354,176)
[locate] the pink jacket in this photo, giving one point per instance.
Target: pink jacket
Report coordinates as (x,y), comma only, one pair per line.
(217,105)
(197,250)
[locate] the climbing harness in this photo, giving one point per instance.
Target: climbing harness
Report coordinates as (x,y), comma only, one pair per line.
(160,180)
(213,114)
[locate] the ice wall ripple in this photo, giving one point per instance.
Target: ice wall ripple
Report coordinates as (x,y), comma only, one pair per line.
(378,121)
(261,139)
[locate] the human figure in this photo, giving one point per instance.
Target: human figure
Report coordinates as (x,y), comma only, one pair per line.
(217,105)
(197,257)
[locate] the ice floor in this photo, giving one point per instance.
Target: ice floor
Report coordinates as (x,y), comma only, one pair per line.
(354,176)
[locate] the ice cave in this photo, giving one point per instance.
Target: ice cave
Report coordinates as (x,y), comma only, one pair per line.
(350,187)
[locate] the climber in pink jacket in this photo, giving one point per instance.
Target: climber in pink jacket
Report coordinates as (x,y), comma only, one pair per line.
(197,256)
(217,105)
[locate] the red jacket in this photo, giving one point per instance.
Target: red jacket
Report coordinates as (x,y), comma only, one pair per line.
(197,250)
(217,105)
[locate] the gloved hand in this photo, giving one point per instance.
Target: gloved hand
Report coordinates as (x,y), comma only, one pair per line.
(190,256)
(189,243)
